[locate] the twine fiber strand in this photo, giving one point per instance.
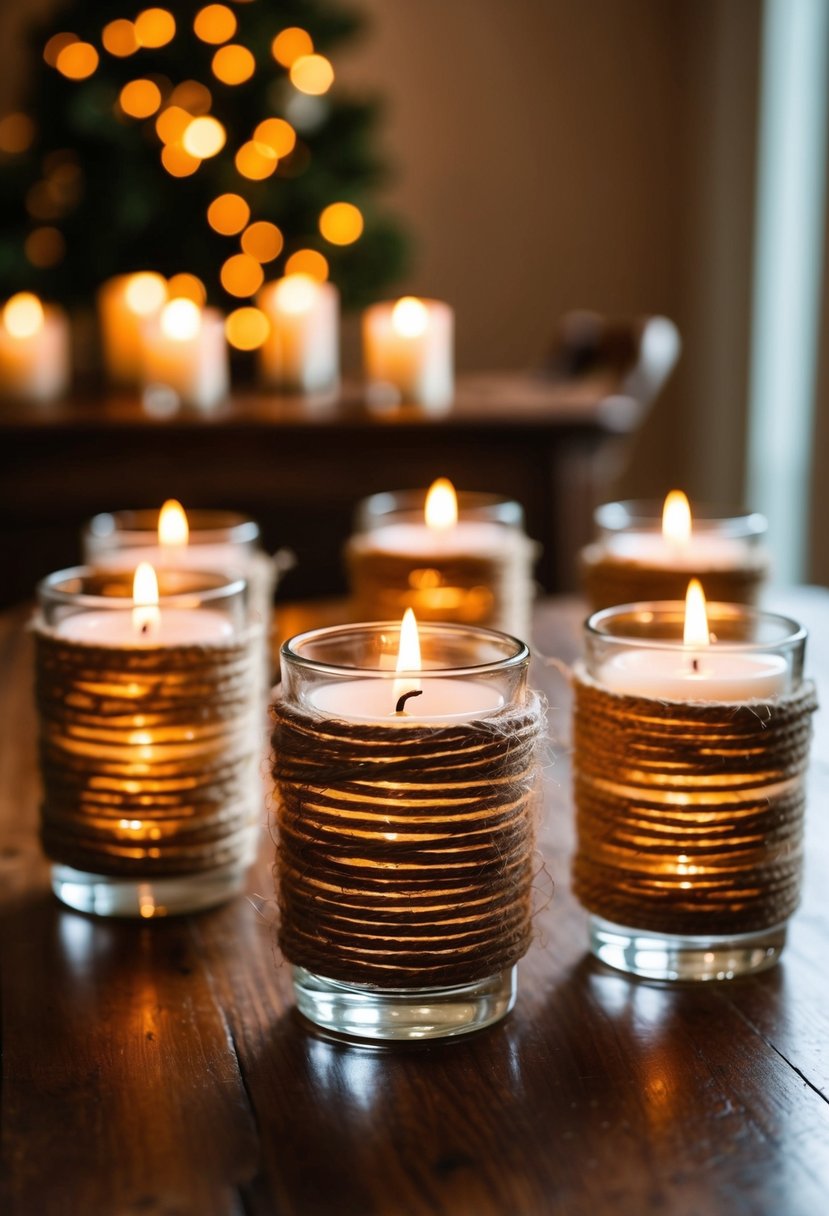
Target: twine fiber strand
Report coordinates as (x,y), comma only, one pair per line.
(609,580)
(689,814)
(405,852)
(148,755)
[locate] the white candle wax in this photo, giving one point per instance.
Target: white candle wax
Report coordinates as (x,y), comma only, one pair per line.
(702,551)
(466,537)
(216,558)
(124,304)
(173,627)
(443,700)
(34,358)
(409,359)
(695,674)
(301,352)
(185,354)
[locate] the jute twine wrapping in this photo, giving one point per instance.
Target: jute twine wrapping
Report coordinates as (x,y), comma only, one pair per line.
(689,815)
(609,580)
(149,756)
(405,852)
(495,590)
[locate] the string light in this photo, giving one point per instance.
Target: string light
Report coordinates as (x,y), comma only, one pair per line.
(341,223)
(171,124)
(187,287)
(204,137)
(140,98)
(192,96)
(55,45)
(16,133)
(242,275)
(45,247)
(177,162)
(233,64)
(290,45)
(312,74)
(262,241)
(77,61)
(276,134)
(119,38)
(228,214)
(255,160)
(155,27)
(247,328)
(214,24)
(308,262)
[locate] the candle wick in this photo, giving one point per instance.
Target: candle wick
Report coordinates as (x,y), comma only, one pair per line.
(145,628)
(400,707)
(695,665)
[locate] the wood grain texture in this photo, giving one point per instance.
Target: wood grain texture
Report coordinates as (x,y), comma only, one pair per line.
(162,1068)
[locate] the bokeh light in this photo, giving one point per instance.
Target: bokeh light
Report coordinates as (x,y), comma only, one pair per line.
(204,137)
(256,161)
(247,328)
(228,214)
(341,223)
(187,287)
(290,45)
(140,98)
(276,134)
(233,64)
(23,315)
(42,202)
(263,241)
(77,61)
(155,27)
(16,132)
(177,162)
(242,275)
(171,124)
(214,24)
(180,320)
(308,262)
(295,293)
(192,96)
(55,45)
(145,293)
(312,74)
(119,38)
(45,247)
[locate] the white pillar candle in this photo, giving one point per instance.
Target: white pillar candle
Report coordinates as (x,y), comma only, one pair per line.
(408,353)
(682,543)
(301,352)
(125,303)
(34,349)
(185,355)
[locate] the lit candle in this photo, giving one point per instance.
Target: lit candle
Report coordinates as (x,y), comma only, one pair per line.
(144,623)
(185,355)
(124,304)
(34,349)
(408,353)
(301,351)
(678,545)
(409,695)
(697,669)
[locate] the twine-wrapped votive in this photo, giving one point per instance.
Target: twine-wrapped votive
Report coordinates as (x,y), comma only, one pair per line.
(405,807)
(649,550)
(150,739)
(463,558)
(689,763)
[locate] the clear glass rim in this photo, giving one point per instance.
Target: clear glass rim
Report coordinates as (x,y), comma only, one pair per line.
(379,509)
(791,633)
(288,651)
(645,515)
(207,526)
(208,587)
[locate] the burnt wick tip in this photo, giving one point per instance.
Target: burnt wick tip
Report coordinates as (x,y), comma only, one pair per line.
(695,665)
(400,707)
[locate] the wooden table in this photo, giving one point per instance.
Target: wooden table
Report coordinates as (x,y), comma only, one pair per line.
(160,1068)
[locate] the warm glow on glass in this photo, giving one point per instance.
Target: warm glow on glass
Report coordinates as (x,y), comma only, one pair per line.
(119,38)
(295,293)
(215,23)
(262,241)
(145,293)
(290,45)
(77,61)
(312,74)
(228,214)
(409,317)
(308,262)
(180,320)
(177,162)
(341,223)
(233,64)
(172,123)
(247,328)
(676,518)
(204,137)
(187,287)
(55,45)
(441,509)
(276,134)
(145,613)
(17,132)
(192,96)
(255,160)
(408,657)
(44,247)
(23,315)
(155,27)
(140,98)
(242,275)
(695,632)
(173,529)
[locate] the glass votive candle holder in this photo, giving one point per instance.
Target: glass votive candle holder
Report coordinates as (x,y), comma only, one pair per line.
(634,560)
(475,571)
(149,740)
(689,764)
(405,827)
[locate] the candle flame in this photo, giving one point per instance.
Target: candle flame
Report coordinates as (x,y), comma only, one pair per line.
(695,632)
(408,656)
(409,317)
(676,518)
(173,529)
(145,293)
(145,614)
(23,315)
(295,293)
(441,505)
(180,320)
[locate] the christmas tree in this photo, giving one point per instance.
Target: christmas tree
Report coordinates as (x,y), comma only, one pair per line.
(195,139)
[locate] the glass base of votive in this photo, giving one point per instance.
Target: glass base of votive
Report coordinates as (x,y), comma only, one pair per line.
(384,1014)
(666,956)
(104,895)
